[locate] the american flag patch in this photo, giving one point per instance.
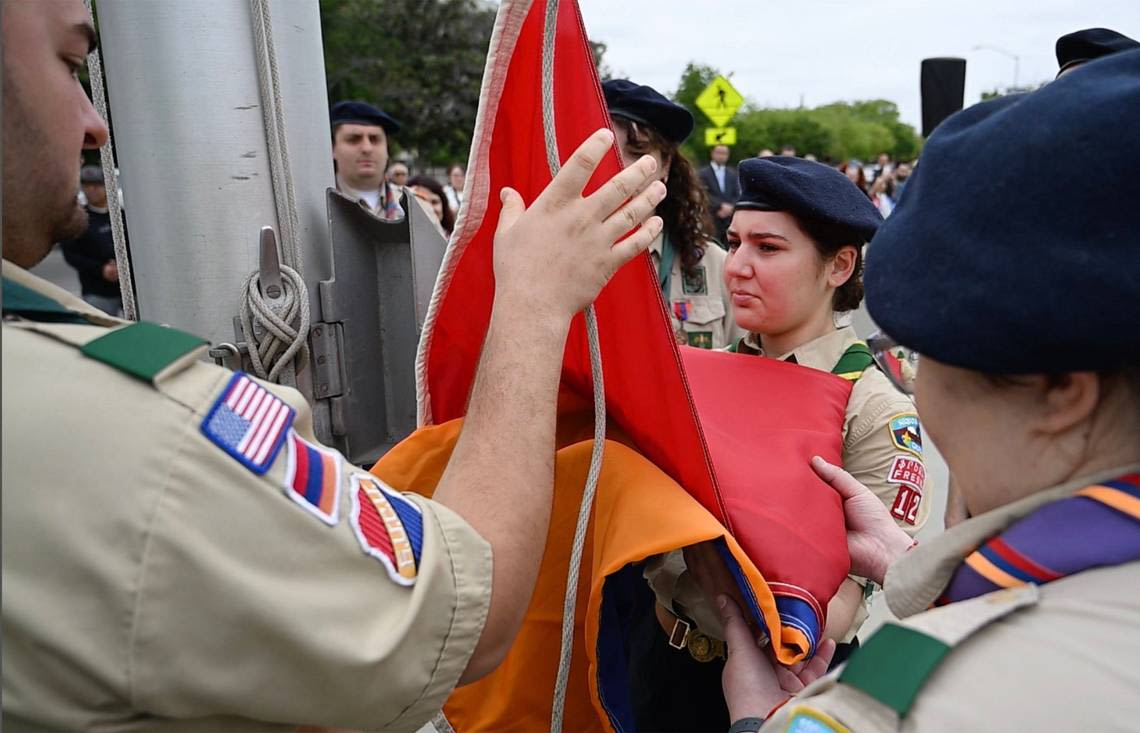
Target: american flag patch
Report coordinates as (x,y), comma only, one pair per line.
(389,526)
(249,422)
(312,478)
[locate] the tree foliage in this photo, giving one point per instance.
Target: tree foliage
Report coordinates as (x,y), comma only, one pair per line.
(421,61)
(839,131)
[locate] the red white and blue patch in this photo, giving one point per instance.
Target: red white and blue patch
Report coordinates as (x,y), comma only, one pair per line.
(312,478)
(389,526)
(249,422)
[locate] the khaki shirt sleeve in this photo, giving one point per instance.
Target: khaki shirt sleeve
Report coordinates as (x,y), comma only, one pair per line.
(883,449)
(249,605)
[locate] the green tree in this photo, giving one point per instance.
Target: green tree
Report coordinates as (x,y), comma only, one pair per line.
(419,60)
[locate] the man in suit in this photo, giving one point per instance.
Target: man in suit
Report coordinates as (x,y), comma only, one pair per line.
(723,185)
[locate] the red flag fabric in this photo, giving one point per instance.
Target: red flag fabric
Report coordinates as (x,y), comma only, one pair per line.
(762,420)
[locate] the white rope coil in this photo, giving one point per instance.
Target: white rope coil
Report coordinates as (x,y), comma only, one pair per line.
(276,317)
(278,342)
(111,180)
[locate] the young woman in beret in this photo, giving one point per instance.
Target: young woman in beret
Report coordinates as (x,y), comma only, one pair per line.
(690,265)
(1029,380)
(795,268)
(793,272)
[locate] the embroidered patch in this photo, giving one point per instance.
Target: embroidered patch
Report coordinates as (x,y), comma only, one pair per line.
(681,309)
(906,432)
(249,422)
(701,339)
(312,478)
(695,282)
(907,471)
(905,506)
(805,719)
(389,527)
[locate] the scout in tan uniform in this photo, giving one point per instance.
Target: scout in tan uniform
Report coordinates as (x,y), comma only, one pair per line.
(1036,409)
(794,264)
(179,551)
(690,265)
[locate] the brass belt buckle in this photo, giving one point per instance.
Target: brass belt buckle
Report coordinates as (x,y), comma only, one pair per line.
(704,648)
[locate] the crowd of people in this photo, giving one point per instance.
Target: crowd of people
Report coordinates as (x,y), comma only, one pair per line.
(221,569)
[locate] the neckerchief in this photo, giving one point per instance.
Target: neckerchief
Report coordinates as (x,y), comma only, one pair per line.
(665,266)
(1097,526)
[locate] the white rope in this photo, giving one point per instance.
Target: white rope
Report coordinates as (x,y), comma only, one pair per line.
(274,318)
(111,181)
(266,355)
(569,607)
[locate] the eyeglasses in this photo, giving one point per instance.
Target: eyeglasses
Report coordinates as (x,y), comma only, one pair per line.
(898,362)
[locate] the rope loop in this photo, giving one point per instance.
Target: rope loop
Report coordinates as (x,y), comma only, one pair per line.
(268,326)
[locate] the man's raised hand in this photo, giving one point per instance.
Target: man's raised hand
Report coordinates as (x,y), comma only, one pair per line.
(555,257)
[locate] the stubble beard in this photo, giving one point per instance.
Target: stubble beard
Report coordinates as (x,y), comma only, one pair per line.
(40,206)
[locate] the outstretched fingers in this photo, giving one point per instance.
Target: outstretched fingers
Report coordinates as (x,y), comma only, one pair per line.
(636,243)
(636,211)
(624,186)
(577,171)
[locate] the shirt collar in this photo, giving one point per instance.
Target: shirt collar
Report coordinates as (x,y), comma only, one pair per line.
(920,576)
(359,195)
(822,353)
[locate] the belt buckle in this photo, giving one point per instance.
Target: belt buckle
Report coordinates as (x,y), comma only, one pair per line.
(680,633)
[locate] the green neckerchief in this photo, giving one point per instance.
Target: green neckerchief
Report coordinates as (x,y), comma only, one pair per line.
(665,266)
(851,365)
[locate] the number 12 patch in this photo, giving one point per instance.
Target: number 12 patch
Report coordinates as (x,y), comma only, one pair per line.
(910,473)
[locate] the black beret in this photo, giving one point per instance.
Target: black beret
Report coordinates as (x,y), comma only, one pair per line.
(1015,247)
(1091,43)
(809,191)
(362,113)
(646,105)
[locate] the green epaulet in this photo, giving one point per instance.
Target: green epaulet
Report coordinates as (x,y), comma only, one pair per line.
(893,665)
(144,350)
(20,300)
(856,360)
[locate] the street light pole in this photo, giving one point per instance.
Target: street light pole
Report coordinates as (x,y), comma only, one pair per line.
(1007,54)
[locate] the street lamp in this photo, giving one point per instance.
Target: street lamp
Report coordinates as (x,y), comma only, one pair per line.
(1007,54)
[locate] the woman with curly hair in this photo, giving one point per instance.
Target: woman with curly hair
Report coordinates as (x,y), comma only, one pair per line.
(690,265)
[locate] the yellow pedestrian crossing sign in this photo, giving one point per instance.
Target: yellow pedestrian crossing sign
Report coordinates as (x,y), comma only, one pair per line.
(719,101)
(720,136)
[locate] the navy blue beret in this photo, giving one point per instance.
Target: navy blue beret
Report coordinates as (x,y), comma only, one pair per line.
(1015,247)
(646,105)
(362,113)
(807,190)
(1091,43)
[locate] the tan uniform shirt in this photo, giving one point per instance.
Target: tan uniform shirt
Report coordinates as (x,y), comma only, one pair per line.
(1059,657)
(153,582)
(699,304)
(882,439)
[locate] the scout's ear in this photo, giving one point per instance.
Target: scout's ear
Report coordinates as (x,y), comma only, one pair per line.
(1068,400)
(841,266)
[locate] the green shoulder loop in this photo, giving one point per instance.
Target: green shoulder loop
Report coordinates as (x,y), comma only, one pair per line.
(22,301)
(893,665)
(856,360)
(143,350)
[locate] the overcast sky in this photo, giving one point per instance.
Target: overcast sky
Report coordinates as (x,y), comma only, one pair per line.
(822,51)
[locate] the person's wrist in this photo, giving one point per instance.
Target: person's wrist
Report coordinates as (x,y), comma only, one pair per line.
(895,545)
